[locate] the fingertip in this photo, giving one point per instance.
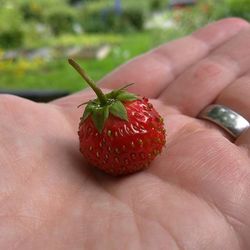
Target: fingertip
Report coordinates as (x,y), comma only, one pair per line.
(224,29)
(235,21)
(230,23)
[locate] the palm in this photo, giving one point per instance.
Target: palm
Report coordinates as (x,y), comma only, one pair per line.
(194,196)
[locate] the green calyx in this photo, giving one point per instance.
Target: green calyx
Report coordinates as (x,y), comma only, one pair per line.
(105,104)
(114,106)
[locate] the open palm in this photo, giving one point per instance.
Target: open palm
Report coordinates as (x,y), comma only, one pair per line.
(195,195)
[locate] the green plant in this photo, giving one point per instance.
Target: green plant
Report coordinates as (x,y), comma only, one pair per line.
(11,33)
(85,40)
(11,39)
(237,8)
(98,18)
(36,34)
(91,21)
(32,11)
(207,11)
(134,18)
(156,5)
(61,20)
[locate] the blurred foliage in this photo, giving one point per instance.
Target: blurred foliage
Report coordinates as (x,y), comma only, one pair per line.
(135,18)
(36,35)
(44,23)
(20,66)
(25,21)
(206,11)
(11,33)
(237,8)
(61,19)
(99,17)
(11,38)
(90,40)
(31,11)
(157,5)
(57,74)
(22,21)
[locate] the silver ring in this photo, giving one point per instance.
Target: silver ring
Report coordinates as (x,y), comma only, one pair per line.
(226,118)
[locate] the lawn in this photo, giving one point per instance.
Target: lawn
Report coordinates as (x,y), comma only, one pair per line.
(57,74)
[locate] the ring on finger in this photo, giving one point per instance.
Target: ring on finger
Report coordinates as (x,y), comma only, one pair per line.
(226,118)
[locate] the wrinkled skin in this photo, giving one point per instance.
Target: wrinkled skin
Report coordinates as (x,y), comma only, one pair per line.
(196,195)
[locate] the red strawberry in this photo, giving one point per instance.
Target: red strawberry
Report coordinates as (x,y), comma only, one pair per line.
(119,132)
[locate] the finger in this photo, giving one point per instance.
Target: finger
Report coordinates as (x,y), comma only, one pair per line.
(201,84)
(237,97)
(244,141)
(153,71)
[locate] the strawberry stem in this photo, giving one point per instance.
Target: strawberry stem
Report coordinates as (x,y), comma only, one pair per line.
(102,98)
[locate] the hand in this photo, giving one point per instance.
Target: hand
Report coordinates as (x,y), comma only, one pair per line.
(194,196)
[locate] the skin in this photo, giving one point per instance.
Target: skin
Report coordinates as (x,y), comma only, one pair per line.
(195,195)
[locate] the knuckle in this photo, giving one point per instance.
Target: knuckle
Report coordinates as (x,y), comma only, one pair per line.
(207,70)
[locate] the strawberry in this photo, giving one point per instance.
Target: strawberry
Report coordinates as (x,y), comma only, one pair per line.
(119,133)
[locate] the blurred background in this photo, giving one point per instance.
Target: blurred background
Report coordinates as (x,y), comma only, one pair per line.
(37,36)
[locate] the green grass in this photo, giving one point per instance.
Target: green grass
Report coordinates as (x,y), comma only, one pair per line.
(57,74)
(142,4)
(70,39)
